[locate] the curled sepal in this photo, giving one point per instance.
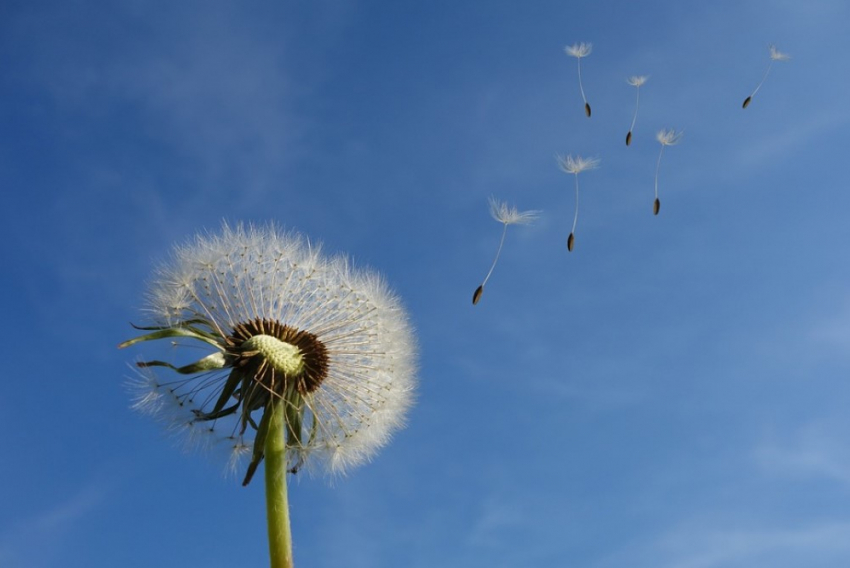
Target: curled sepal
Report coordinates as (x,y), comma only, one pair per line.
(176,331)
(211,362)
(294,414)
(294,406)
(293,409)
(229,391)
(259,444)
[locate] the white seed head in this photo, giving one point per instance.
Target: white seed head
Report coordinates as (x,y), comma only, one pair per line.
(503,213)
(777,55)
(637,80)
(579,49)
(578,164)
(261,274)
(668,137)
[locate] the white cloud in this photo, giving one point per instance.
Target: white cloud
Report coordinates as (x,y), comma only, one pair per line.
(727,545)
(816,451)
(499,518)
(815,545)
(773,147)
(35,541)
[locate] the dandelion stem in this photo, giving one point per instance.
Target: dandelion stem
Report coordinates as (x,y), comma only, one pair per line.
(498,252)
(277,502)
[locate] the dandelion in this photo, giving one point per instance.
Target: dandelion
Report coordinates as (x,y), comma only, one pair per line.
(506,215)
(578,51)
(635,81)
(775,55)
(576,166)
(310,361)
(666,138)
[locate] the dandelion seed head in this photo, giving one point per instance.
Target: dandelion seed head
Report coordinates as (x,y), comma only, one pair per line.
(777,55)
(503,213)
(669,137)
(579,50)
(637,80)
(576,165)
(282,320)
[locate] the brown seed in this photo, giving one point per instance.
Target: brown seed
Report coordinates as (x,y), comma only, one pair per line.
(587,109)
(477,295)
(656,207)
(629,138)
(570,242)
(747,102)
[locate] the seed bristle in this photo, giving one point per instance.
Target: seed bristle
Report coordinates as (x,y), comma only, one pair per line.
(477,295)
(656,207)
(570,242)
(747,102)
(629,138)
(587,109)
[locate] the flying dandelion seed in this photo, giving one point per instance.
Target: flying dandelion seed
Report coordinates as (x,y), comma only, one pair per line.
(665,138)
(775,55)
(580,50)
(576,166)
(506,215)
(311,363)
(635,81)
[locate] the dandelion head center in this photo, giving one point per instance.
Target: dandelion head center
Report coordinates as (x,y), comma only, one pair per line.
(279,356)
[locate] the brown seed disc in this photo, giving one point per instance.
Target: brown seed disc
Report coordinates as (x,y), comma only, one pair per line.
(314,352)
(629,138)
(570,242)
(747,102)
(587,109)
(477,295)
(656,207)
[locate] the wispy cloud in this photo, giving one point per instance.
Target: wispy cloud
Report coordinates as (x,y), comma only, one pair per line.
(35,541)
(213,87)
(817,451)
(832,330)
(499,517)
(818,545)
(782,144)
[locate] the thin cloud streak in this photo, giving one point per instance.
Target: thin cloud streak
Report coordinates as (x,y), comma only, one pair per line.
(817,545)
(36,540)
(816,452)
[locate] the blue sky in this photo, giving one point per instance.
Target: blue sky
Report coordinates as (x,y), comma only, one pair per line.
(671,394)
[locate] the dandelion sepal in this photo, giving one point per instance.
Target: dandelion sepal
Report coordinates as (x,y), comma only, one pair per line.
(277,500)
(175,331)
(212,362)
(227,392)
(259,444)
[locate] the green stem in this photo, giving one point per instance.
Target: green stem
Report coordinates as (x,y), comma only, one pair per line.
(277,503)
